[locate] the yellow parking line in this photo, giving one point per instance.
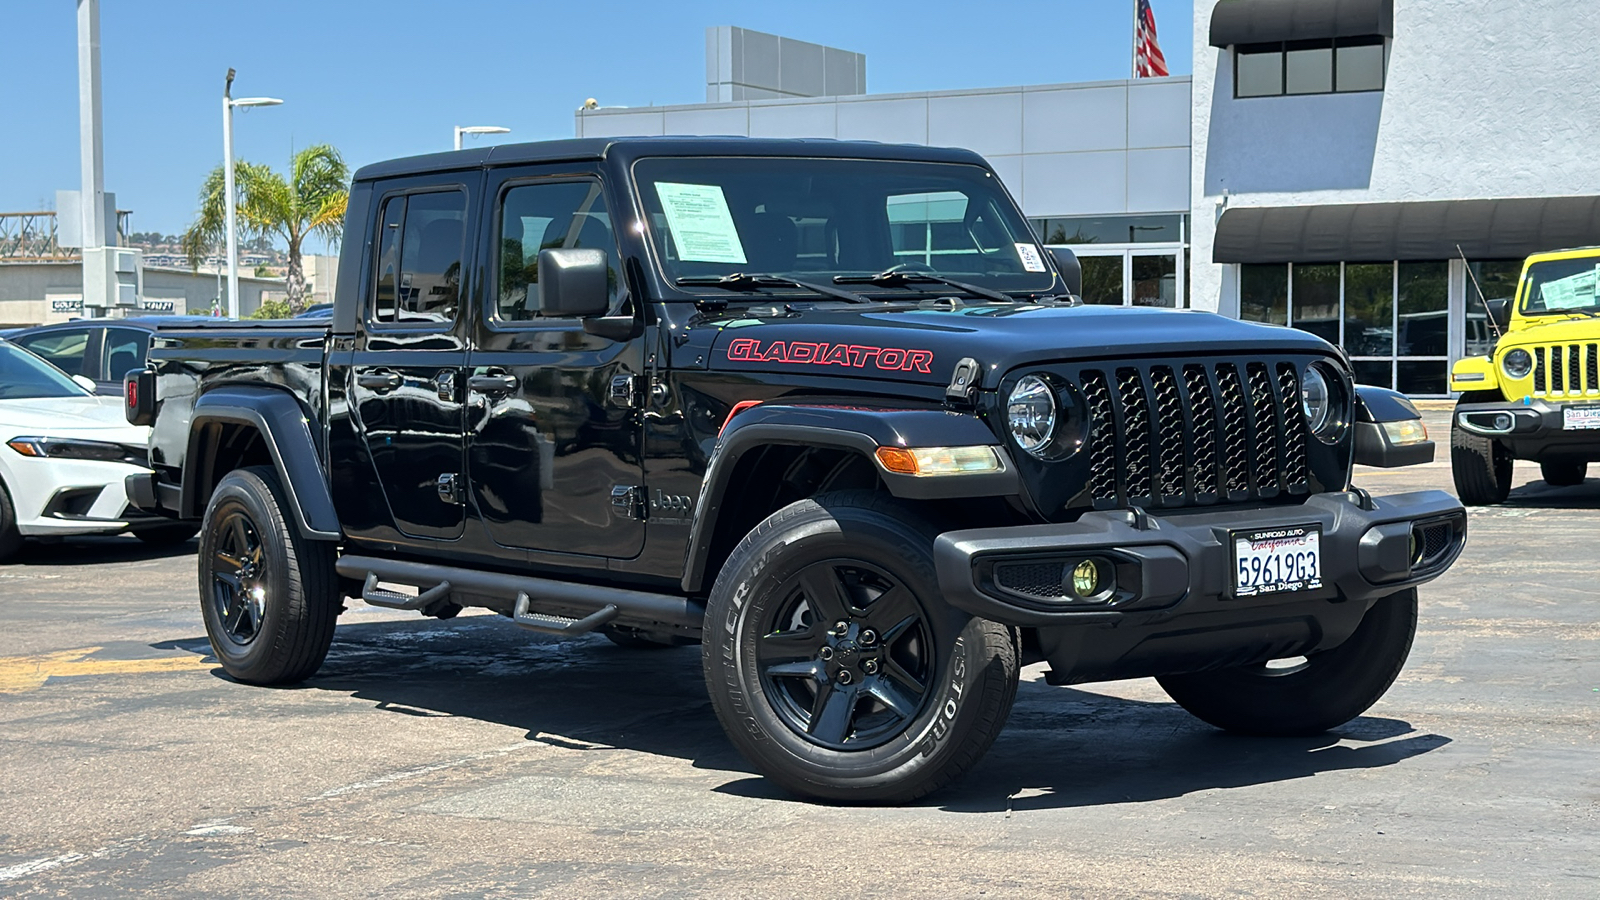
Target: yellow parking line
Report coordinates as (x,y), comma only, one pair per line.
(21,674)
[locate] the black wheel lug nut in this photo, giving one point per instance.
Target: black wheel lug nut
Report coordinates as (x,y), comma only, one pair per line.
(870,667)
(845,677)
(869,637)
(826,653)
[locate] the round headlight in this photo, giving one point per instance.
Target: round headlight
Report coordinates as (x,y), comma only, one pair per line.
(1315,399)
(1518,363)
(1326,402)
(1031,414)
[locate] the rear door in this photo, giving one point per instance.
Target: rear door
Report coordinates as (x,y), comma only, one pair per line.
(121,350)
(404,379)
(554,427)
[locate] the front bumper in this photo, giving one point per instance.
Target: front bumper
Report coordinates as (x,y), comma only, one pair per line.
(64,498)
(1532,429)
(1174,608)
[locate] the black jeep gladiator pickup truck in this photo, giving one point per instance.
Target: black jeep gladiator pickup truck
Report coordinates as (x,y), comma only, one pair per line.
(828,408)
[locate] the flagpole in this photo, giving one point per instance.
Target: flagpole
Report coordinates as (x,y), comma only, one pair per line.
(1135,61)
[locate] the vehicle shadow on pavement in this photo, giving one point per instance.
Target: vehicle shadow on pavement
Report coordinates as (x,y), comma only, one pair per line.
(1063,747)
(93,550)
(1537,494)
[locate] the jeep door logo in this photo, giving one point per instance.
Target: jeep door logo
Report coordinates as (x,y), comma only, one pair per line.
(855,356)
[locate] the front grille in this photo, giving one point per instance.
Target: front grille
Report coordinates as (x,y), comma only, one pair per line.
(1566,370)
(1195,434)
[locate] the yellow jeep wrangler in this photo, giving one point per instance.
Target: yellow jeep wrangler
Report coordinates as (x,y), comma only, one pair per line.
(1536,396)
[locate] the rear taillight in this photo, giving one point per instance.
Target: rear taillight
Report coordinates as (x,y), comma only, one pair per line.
(139,392)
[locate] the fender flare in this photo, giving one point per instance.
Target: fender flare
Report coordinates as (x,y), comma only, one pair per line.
(285,428)
(858,429)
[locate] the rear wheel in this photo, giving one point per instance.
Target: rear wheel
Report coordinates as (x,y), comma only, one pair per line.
(836,667)
(1481,465)
(1564,472)
(269,596)
(1314,693)
(10,537)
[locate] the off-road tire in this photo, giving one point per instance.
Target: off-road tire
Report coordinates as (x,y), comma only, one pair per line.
(634,639)
(860,539)
(1481,465)
(10,537)
(1564,472)
(1327,690)
(167,535)
(300,602)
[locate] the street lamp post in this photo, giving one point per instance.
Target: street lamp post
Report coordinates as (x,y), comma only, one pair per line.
(228,103)
(477,129)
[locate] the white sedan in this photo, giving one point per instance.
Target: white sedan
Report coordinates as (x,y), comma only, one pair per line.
(66,453)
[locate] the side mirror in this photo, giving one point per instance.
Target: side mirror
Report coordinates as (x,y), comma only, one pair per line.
(1499,310)
(1071,271)
(85,382)
(572,283)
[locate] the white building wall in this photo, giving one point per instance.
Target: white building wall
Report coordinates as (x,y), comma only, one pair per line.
(1480,101)
(1099,148)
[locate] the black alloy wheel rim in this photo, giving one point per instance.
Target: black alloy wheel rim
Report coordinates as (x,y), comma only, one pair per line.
(238,578)
(846,656)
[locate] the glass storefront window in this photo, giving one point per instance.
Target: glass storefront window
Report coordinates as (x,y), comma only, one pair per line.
(1102,279)
(1496,278)
(1264,293)
(1369,309)
(1155,281)
(1111,229)
(1316,300)
(1423,377)
(1424,305)
(1374,371)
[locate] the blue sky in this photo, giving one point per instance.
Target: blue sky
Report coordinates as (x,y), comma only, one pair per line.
(386,79)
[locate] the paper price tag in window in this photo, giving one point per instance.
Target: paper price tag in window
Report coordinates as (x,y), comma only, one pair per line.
(1031,260)
(702,226)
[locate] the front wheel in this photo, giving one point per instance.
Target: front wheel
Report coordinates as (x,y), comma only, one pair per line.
(836,667)
(1481,467)
(1322,691)
(269,596)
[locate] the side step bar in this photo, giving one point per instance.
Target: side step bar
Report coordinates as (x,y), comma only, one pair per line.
(601,605)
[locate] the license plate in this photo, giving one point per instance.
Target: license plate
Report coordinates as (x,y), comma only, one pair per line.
(1580,418)
(1277,560)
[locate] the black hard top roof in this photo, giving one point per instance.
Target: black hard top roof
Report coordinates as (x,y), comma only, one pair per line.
(635,147)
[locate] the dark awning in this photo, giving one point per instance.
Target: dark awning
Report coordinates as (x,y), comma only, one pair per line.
(1371,232)
(1260,21)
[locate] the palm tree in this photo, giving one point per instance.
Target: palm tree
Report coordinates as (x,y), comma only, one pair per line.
(311,200)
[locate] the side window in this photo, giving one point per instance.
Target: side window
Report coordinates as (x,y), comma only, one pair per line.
(419,258)
(62,349)
(122,349)
(548,216)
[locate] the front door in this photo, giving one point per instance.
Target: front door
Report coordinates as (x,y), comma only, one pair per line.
(554,426)
(405,374)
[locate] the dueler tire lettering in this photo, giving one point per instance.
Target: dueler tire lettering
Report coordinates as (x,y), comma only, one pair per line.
(887,750)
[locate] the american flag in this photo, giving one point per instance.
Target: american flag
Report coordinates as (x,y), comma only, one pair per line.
(1147,59)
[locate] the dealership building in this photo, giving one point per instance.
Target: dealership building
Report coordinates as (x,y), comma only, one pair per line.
(1355,168)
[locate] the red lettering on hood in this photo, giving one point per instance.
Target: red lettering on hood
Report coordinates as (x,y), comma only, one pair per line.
(855,356)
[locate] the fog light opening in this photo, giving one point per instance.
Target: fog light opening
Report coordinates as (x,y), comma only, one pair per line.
(1089,580)
(1502,422)
(1417,544)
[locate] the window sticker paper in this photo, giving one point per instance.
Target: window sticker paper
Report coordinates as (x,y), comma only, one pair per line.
(702,226)
(1031,260)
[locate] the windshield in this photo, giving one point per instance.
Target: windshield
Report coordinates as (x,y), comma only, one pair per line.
(24,376)
(1562,286)
(814,219)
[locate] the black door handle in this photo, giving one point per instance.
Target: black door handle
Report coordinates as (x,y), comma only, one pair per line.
(380,382)
(500,383)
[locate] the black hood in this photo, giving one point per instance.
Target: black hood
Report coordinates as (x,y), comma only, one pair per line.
(906,343)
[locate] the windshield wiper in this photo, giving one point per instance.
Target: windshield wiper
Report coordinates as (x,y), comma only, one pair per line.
(748,281)
(894,278)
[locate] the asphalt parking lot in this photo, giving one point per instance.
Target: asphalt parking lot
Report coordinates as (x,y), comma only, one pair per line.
(468,758)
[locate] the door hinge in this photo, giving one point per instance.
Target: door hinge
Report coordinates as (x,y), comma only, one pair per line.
(449,488)
(628,501)
(623,393)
